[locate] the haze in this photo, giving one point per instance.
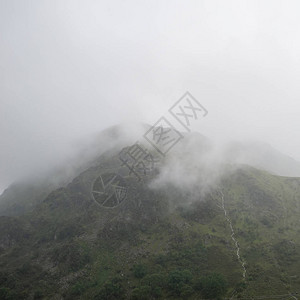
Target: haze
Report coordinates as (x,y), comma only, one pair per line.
(70,69)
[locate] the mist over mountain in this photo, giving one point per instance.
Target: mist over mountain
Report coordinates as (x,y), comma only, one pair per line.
(149,149)
(195,163)
(101,230)
(34,186)
(263,156)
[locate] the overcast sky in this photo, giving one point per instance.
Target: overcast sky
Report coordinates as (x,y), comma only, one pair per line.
(71,68)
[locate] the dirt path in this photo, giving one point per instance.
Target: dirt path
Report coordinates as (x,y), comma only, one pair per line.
(233,237)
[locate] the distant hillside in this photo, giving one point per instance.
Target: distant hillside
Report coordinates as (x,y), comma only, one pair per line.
(262,156)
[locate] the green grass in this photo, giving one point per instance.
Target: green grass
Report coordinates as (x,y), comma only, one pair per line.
(86,251)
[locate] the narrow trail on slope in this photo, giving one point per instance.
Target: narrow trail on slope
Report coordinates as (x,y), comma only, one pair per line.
(233,237)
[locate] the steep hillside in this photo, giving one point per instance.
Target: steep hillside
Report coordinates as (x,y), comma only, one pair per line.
(22,196)
(239,239)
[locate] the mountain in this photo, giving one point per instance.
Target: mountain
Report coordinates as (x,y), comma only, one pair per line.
(188,228)
(263,156)
(24,194)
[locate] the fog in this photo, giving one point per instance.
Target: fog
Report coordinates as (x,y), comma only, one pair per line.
(70,69)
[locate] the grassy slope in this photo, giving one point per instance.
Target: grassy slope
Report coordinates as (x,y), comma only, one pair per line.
(79,247)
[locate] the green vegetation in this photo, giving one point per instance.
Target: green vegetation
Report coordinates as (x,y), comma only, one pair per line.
(147,248)
(139,271)
(112,289)
(212,286)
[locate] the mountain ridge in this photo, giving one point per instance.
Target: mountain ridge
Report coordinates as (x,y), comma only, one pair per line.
(160,242)
(20,198)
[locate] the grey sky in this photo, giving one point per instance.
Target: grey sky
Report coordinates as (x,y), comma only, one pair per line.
(71,68)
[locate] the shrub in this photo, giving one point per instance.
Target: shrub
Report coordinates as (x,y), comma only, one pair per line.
(7,294)
(178,280)
(154,280)
(112,290)
(141,293)
(211,286)
(139,270)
